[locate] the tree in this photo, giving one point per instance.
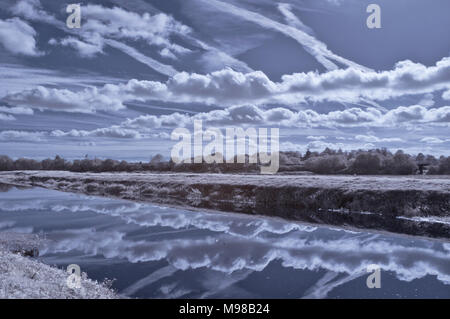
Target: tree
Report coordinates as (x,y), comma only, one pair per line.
(158,158)
(403,164)
(367,163)
(23,164)
(6,163)
(108,165)
(420,158)
(329,164)
(444,165)
(59,163)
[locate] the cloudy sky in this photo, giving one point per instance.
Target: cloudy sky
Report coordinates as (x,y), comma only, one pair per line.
(136,70)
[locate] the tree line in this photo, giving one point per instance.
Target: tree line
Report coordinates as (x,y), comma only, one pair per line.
(360,162)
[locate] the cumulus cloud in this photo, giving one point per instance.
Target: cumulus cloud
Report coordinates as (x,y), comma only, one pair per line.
(321,145)
(111,98)
(253,115)
(18,37)
(228,87)
(446,95)
(113,131)
(121,24)
(406,78)
(418,114)
(250,115)
(85,101)
(32,10)
(102,25)
(105,26)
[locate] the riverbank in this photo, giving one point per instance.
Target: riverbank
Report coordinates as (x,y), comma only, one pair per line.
(23,277)
(414,205)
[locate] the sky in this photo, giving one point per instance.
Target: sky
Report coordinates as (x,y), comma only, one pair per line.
(136,70)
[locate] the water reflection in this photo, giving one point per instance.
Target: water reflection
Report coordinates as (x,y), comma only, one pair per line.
(169,253)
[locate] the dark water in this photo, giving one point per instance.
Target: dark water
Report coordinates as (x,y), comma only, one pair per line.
(158,252)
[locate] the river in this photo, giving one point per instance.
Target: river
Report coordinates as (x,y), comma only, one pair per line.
(162,252)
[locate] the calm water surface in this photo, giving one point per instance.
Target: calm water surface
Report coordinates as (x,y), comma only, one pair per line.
(159,252)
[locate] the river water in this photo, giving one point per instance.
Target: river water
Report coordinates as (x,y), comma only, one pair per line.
(160,252)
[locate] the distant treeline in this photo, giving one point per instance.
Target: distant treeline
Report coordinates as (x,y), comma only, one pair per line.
(361,162)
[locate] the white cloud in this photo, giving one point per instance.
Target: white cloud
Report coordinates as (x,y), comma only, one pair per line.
(351,85)
(250,115)
(292,19)
(85,49)
(418,114)
(18,110)
(167,54)
(446,95)
(316,48)
(6,117)
(154,64)
(10,111)
(427,100)
(228,87)
(375,139)
(432,140)
(32,10)
(321,145)
(316,138)
(121,24)
(18,37)
(85,101)
(17,78)
(113,131)
(11,136)
(215,59)
(102,25)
